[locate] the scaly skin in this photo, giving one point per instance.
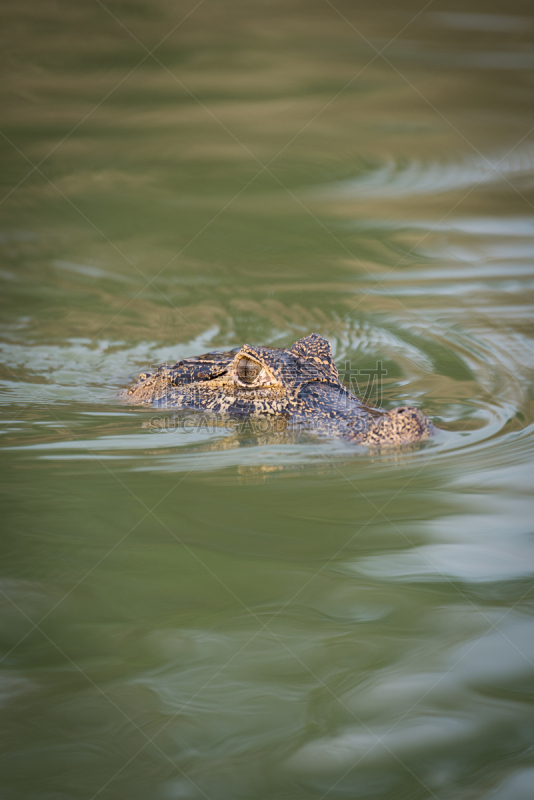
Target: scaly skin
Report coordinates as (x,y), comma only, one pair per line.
(300,384)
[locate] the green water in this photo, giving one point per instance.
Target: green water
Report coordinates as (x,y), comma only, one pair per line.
(207,613)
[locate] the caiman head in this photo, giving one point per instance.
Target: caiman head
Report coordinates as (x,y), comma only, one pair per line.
(300,383)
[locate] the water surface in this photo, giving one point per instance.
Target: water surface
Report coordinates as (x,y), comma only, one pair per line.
(212,614)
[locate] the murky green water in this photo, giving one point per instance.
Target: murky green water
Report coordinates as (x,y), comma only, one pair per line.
(208,614)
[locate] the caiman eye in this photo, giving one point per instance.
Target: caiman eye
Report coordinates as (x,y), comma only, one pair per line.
(248,370)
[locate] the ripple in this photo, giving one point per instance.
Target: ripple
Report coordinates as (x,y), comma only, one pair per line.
(404,178)
(443,562)
(465,21)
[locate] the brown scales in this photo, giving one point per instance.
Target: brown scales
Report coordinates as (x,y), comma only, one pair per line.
(300,384)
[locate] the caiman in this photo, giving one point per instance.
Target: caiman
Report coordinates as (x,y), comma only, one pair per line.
(300,384)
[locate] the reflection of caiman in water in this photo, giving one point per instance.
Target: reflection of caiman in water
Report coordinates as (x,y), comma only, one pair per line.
(300,385)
